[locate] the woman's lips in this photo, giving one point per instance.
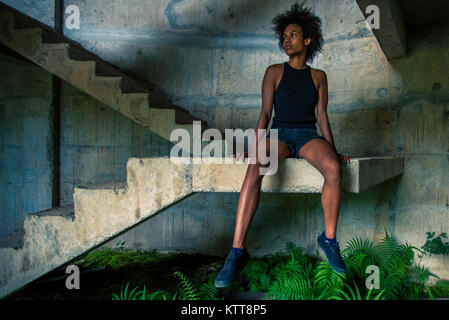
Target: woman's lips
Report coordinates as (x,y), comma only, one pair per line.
(287,47)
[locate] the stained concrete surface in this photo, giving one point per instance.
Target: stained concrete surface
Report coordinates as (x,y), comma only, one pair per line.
(375,108)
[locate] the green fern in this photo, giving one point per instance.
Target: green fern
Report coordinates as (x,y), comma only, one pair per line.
(207,290)
(256,274)
(125,295)
(420,274)
(358,254)
(187,289)
(295,282)
(395,262)
(354,295)
(327,279)
(436,245)
(135,294)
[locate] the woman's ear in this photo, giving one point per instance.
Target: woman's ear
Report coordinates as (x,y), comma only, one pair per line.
(307,41)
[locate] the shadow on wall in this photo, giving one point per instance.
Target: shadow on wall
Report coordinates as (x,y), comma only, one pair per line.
(194,26)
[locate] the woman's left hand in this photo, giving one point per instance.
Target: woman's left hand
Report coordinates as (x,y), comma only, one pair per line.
(344,159)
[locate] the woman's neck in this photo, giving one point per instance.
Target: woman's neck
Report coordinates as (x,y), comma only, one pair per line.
(297,62)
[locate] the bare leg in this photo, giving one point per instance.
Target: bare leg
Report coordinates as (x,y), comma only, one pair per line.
(330,200)
(247,205)
(250,195)
(322,156)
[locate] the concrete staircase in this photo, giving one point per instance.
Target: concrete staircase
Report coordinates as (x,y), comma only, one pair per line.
(59,236)
(68,60)
(56,237)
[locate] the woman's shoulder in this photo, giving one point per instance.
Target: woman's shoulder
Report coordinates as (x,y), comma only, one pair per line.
(275,69)
(276,66)
(318,72)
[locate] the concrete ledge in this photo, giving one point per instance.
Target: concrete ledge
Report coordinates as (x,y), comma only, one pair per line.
(296,175)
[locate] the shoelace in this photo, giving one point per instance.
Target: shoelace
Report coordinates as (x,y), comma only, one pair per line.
(335,246)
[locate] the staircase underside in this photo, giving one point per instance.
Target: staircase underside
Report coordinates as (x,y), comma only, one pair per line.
(55,237)
(68,60)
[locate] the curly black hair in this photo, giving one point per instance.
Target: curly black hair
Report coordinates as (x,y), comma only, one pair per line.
(309,23)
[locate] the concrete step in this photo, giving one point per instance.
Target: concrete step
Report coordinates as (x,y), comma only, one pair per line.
(117,185)
(62,56)
(41,248)
(14,241)
(66,211)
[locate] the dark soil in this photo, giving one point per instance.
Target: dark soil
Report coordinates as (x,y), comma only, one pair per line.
(101,284)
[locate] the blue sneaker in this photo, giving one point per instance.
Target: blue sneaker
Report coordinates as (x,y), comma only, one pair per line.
(233,264)
(332,251)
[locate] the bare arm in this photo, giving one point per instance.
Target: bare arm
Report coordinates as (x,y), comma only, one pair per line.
(268,87)
(322,118)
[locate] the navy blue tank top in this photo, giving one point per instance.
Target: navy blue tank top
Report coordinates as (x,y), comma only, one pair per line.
(295,99)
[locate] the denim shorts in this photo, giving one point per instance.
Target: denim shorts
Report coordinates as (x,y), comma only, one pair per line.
(296,138)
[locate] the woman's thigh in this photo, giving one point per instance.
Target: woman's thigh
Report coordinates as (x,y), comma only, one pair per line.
(321,155)
(280,149)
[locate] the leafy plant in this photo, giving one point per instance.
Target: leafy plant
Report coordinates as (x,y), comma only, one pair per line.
(342,295)
(292,275)
(207,290)
(135,294)
(188,291)
(440,289)
(256,271)
(327,280)
(398,273)
(300,277)
(436,245)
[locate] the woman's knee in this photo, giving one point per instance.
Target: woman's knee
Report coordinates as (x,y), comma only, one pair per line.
(332,169)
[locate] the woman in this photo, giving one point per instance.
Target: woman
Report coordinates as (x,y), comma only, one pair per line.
(295,89)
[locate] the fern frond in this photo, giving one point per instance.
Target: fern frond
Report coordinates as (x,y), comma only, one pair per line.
(208,291)
(420,274)
(326,279)
(187,287)
(357,245)
(292,282)
(391,285)
(387,249)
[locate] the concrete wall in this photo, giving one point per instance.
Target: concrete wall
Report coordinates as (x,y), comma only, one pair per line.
(97,141)
(42,10)
(26,171)
(210,56)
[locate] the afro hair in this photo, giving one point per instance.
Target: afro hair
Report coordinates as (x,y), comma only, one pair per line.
(309,23)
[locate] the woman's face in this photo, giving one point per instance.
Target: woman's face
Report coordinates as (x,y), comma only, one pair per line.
(293,41)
